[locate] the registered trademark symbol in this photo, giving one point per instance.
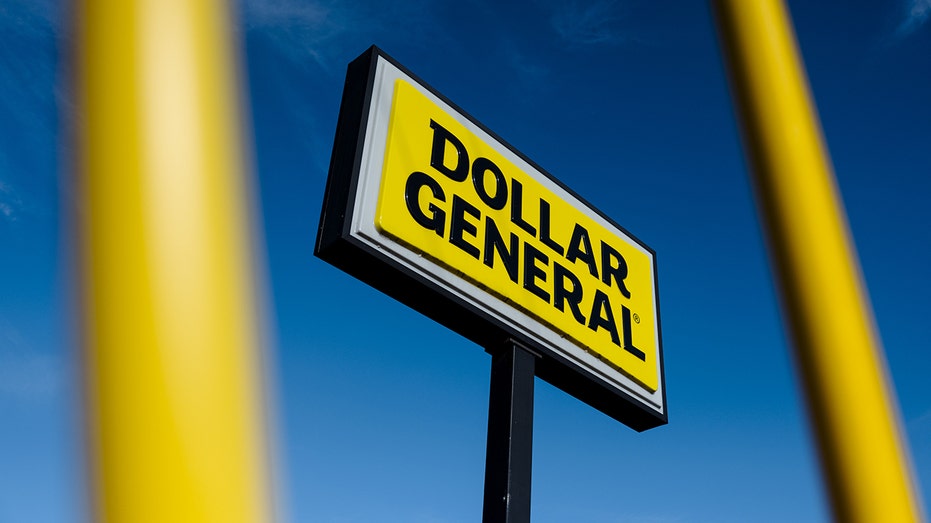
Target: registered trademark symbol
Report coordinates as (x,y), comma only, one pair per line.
(636,318)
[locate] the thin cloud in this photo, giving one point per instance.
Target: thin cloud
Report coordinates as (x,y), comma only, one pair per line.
(533,71)
(10,203)
(26,15)
(318,31)
(301,29)
(916,15)
(29,33)
(26,374)
(588,24)
(921,425)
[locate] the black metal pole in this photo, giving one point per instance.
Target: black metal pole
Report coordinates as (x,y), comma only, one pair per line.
(510,436)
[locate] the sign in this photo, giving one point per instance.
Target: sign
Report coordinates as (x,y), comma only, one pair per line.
(426,204)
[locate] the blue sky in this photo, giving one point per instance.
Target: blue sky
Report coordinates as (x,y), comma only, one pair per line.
(625,102)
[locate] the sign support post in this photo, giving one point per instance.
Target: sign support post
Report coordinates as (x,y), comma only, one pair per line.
(427,205)
(509,451)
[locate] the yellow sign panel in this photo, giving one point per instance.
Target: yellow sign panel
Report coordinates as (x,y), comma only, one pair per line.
(448,195)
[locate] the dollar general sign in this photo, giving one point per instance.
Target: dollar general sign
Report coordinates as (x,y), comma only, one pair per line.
(427,205)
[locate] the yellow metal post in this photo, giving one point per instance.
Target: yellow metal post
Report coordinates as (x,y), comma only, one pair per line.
(171,327)
(850,398)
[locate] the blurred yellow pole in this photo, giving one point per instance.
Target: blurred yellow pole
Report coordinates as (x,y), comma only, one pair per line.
(171,325)
(850,398)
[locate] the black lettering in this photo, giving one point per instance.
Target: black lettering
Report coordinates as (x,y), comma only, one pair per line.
(532,272)
(437,218)
(479,168)
(495,243)
(438,154)
(545,228)
(602,316)
(562,295)
(580,248)
(628,335)
(617,270)
(517,193)
(459,224)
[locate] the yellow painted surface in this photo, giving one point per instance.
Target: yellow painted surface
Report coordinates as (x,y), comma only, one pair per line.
(171,329)
(849,393)
(456,239)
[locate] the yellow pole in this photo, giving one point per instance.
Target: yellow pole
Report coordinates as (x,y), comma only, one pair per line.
(171,327)
(850,398)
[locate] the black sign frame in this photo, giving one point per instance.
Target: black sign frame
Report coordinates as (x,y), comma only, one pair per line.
(336,245)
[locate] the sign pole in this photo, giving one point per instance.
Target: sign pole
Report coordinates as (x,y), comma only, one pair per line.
(509,451)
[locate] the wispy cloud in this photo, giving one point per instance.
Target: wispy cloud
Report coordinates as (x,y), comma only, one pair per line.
(588,23)
(916,15)
(26,375)
(302,29)
(29,33)
(921,425)
(532,70)
(26,11)
(320,29)
(296,41)
(9,203)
